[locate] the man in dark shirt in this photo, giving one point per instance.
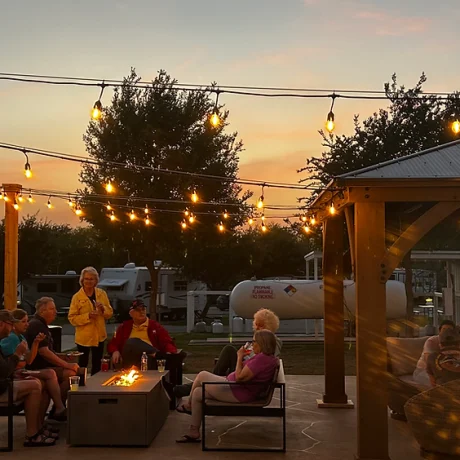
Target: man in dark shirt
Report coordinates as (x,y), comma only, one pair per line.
(45,314)
(444,366)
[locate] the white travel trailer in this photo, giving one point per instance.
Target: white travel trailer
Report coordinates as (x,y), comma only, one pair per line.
(123,285)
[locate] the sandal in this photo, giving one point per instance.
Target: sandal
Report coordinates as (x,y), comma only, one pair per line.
(49,433)
(51,428)
(39,440)
(183,410)
(187,439)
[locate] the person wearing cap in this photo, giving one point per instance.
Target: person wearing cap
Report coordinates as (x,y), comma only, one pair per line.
(89,310)
(444,366)
(138,335)
(29,390)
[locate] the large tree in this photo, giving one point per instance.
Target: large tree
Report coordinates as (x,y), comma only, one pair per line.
(160,126)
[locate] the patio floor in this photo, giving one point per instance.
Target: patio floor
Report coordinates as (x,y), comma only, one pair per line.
(316,434)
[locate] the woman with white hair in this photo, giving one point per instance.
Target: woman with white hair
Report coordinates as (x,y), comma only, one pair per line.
(89,310)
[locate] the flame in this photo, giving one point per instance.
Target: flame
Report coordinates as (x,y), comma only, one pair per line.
(127,379)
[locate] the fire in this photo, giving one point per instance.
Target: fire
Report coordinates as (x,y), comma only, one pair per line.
(126,380)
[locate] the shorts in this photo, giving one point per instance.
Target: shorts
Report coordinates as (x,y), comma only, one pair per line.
(17,384)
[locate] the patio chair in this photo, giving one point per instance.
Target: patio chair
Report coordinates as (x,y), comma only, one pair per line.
(10,409)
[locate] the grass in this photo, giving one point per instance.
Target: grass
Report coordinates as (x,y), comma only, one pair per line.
(298,358)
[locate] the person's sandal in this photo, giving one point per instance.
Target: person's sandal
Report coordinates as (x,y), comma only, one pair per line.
(39,440)
(49,433)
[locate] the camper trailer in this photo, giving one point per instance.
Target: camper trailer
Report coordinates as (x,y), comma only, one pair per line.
(123,285)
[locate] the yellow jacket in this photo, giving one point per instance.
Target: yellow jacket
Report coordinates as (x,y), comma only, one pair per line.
(89,331)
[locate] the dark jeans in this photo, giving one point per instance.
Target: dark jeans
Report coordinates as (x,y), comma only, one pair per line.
(132,353)
(96,356)
(225,365)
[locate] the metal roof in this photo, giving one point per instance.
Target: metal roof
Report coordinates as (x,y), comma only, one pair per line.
(442,161)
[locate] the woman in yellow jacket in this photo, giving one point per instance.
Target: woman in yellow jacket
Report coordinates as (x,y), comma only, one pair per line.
(89,310)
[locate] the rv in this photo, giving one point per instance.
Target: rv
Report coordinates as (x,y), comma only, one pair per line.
(123,285)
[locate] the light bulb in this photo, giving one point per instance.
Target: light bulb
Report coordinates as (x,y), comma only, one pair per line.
(71,203)
(108,206)
(304,218)
(48,204)
(330,124)
(27,171)
(30,199)
(194,197)
(184,224)
(109,187)
(312,220)
(225,214)
(456,127)
(78,210)
(186,212)
(112,216)
(214,119)
(250,221)
(146,209)
(264,228)
(96,112)
(332,209)
(1,195)
(147,220)
(260,203)
(191,219)
(221,227)
(263,218)
(5,197)
(306,228)
(132,216)
(20,198)
(15,205)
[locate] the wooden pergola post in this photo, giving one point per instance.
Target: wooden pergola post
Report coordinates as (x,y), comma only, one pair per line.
(371,352)
(11,246)
(334,347)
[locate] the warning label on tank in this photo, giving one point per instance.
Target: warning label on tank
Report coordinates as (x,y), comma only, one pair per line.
(290,290)
(262,292)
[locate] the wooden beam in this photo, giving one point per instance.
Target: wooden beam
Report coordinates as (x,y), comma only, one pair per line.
(348,211)
(414,233)
(11,247)
(371,354)
(403,193)
(334,347)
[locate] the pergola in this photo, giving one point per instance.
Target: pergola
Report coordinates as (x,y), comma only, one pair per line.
(431,177)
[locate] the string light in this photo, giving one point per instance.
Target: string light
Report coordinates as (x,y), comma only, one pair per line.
(221,227)
(108,206)
(330,122)
(264,227)
(146,209)
(112,216)
(186,212)
(27,168)
(132,215)
(313,220)
(109,188)
(456,127)
(96,112)
(71,203)
(303,218)
(260,202)
(1,195)
(332,209)
(78,210)
(147,220)
(48,204)
(183,224)
(194,196)
(15,205)
(30,199)
(306,228)
(250,221)
(5,197)
(215,119)
(20,198)
(225,214)
(191,219)
(263,218)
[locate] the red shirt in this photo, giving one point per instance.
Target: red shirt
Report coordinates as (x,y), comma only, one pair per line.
(158,336)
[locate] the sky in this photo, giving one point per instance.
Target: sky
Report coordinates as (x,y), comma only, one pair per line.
(334,44)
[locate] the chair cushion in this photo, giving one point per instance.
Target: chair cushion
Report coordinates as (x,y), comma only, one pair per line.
(404,353)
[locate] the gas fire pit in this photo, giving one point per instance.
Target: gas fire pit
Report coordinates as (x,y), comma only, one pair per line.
(122,409)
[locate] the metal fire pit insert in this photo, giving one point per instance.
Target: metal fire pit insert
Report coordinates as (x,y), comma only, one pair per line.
(115,415)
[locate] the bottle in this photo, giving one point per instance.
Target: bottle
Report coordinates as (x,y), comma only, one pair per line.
(144,361)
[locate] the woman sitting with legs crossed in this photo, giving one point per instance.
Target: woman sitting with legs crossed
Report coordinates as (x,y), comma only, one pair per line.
(260,368)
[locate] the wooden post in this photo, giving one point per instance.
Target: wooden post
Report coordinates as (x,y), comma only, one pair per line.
(334,347)
(371,354)
(11,247)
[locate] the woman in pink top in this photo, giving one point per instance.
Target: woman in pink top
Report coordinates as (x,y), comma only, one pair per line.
(260,368)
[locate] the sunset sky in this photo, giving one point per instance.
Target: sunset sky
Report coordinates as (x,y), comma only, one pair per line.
(335,44)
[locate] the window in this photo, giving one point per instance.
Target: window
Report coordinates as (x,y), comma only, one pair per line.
(46,287)
(180,285)
(70,286)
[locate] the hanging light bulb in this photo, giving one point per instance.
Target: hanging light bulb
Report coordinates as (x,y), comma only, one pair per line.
(15,205)
(146,209)
(191,219)
(194,196)
(225,214)
(132,215)
(332,209)
(456,127)
(264,227)
(186,212)
(221,227)
(78,210)
(1,195)
(330,122)
(112,216)
(108,206)
(27,171)
(20,198)
(70,203)
(215,119)
(147,220)
(109,188)
(313,220)
(260,202)
(5,197)
(263,218)
(96,111)
(250,221)
(48,204)
(30,199)
(303,218)
(183,224)
(306,228)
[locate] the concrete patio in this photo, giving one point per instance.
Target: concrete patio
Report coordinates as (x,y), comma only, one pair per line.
(316,434)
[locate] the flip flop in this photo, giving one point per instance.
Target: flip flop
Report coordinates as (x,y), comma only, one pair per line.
(187,439)
(183,410)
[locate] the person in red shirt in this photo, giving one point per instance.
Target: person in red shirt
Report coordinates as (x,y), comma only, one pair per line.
(138,335)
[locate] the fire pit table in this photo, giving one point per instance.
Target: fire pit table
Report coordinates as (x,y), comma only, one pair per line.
(104,412)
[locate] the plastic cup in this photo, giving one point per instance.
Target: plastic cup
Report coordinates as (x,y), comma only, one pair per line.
(104,365)
(161,365)
(74,382)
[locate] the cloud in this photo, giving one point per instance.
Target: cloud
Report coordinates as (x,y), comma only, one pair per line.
(386,24)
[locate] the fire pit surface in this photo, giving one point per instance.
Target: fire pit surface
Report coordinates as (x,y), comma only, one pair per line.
(126,379)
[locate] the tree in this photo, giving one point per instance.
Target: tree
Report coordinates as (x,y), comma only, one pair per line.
(162,127)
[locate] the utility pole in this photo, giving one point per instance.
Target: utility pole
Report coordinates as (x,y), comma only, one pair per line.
(11,245)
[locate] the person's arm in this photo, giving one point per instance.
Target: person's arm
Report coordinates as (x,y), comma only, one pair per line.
(52,358)
(242,373)
(429,348)
(165,341)
(76,318)
(108,310)
(32,353)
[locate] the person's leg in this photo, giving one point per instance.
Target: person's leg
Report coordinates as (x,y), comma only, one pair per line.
(63,379)
(96,356)
(226,362)
(84,358)
(31,391)
(180,391)
(51,384)
(45,402)
(132,352)
(203,376)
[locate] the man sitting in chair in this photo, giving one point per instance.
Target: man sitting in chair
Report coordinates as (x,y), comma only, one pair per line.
(138,335)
